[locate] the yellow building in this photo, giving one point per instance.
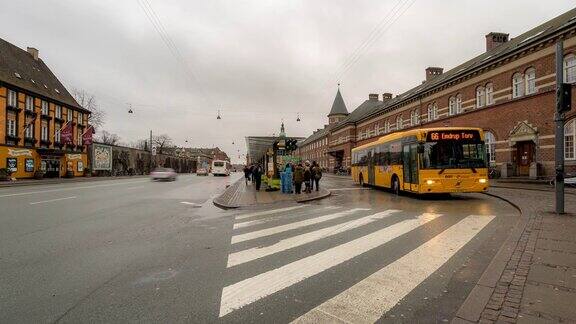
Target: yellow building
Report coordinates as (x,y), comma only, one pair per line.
(34,107)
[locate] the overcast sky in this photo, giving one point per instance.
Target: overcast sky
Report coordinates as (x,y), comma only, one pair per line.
(257,61)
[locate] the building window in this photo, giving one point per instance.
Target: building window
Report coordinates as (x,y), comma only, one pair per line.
(517,85)
(79,136)
(399,123)
(58,112)
(12,98)
(29,103)
(69,115)
(530,81)
(57,127)
(490,141)
(489,94)
(458,103)
(452,106)
(432,112)
(44,132)
(480,97)
(570,68)
(414,117)
(80,118)
(44,108)
(387,127)
(29,132)
(569,139)
(11,124)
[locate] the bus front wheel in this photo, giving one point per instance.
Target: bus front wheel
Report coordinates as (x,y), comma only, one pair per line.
(395,185)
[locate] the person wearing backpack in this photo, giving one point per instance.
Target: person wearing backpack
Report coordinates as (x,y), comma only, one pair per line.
(317,171)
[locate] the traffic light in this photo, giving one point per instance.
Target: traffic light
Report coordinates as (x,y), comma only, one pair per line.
(564,98)
(291,145)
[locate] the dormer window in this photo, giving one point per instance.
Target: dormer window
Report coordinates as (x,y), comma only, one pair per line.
(16,74)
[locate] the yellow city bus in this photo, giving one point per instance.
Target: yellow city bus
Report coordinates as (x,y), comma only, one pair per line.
(429,160)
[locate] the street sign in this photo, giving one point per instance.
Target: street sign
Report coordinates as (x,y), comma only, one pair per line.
(153,149)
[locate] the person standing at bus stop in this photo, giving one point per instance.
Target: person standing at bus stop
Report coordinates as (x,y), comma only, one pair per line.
(257,176)
(247,174)
(298,178)
(317,172)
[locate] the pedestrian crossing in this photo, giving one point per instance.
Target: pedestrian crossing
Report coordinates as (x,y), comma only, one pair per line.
(367,300)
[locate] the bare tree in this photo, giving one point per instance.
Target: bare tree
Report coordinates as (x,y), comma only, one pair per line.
(108,138)
(162,142)
(88,101)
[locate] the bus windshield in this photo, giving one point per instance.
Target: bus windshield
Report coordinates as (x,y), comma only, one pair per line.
(453,155)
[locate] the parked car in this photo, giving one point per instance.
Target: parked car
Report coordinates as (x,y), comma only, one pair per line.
(202,172)
(163,174)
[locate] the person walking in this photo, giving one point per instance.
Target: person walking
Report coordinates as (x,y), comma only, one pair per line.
(287,181)
(317,171)
(307,177)
(257,176)
(247,174)
(298,178)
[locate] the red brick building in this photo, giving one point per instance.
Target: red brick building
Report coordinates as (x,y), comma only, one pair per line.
(509,91)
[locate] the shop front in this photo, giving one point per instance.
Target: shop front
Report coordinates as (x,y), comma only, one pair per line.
(25,163)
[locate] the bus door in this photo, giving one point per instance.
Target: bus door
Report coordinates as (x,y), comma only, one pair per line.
(371,167)
(410,166)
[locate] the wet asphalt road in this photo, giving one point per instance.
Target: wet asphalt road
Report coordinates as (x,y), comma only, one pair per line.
(140,251)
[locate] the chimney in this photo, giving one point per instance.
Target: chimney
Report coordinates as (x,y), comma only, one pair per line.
(432,72)
(373,97)
(386,96)
(34,52)
(494,40)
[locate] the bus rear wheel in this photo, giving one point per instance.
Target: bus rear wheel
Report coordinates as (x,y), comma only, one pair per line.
(395,186)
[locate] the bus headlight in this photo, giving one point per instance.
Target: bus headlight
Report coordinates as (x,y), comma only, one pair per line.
(429,182)
(482,180)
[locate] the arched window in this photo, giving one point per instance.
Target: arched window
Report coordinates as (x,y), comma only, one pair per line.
(414,117)
(489,94)
(458,103)
(530,77)
(570,68)
(432,112)
(452,106)
(399,122)
(517,85)
(480,97)
(490,141)
(569,139)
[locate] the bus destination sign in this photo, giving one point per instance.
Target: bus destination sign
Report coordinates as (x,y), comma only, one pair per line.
(453,135)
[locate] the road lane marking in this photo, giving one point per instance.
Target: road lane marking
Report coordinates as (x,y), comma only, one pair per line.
(67,189)
(132,188)
(191,204)
(268,212)
(369,299)
(260,252)
(252,289)
(265,220)
(283,228)
(51,200)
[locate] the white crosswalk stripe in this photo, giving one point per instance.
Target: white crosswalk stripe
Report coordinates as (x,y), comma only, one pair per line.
(366,301)
(287,227)
(252,289)
(268,212)
(260,252)
(265,220)
(369,299)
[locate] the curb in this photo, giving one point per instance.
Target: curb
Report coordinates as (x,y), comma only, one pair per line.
(326,194)
(475,303)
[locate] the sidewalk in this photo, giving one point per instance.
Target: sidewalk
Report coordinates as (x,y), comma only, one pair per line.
(542,186)
(28,182)
(532,279)
(239,195)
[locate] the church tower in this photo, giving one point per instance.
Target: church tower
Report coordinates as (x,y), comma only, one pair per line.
(338,111)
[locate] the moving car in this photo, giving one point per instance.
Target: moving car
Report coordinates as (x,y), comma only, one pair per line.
(163,174)
(201,172)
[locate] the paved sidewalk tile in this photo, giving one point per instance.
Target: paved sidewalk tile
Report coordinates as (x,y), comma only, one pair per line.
(544,299)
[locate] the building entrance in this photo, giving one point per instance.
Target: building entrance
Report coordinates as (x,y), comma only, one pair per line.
(524,157)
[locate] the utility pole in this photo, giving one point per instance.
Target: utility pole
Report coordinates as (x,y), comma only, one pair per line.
(150,166)
(563,102)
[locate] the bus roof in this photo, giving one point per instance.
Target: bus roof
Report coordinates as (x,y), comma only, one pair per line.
(412,132)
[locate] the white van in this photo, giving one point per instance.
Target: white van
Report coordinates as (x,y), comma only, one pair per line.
(220,168)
